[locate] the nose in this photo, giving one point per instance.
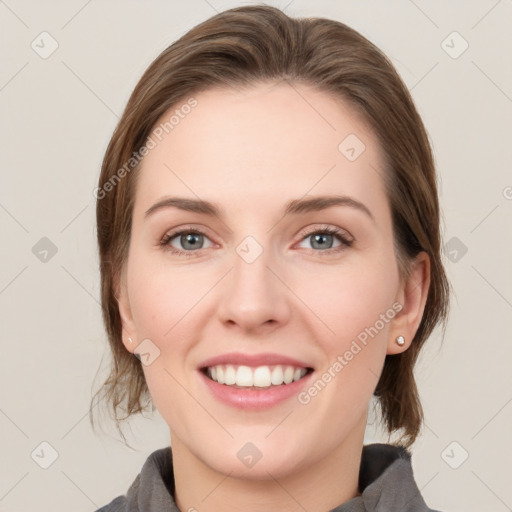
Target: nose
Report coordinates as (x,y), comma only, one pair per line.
(254,297)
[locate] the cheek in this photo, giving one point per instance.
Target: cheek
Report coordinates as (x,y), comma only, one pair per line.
(161,296)
(348,299)
(162,302)
(354,303)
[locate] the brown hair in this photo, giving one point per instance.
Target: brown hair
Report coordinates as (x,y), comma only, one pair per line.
(239,47)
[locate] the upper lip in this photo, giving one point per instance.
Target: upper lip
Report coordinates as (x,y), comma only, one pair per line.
(253,360)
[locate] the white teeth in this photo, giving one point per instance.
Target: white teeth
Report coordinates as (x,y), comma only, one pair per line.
(244,376)
(230,375)
(288,374)
(277,376)
(260,377)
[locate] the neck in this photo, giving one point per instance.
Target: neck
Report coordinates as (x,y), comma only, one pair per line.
(322,486)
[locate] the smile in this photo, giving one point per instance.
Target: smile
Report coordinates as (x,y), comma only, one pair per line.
(254,381)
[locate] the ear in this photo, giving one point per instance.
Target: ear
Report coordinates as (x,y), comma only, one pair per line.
(412,296)
(129,334)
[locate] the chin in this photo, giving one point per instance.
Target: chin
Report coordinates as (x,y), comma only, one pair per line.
(255,457)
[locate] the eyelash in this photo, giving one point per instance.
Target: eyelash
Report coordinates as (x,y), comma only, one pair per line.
(328,230)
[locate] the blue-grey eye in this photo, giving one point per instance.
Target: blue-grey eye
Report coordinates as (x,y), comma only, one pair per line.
(321,241)
(186,241)
(191,241)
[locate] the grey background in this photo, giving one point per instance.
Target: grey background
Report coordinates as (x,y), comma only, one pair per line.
(57,115)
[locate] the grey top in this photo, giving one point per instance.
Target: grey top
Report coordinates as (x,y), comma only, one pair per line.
(386,484)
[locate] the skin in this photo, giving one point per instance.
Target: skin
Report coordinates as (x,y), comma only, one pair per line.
(250,151)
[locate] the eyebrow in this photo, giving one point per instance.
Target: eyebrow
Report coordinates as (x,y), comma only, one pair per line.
(295,206)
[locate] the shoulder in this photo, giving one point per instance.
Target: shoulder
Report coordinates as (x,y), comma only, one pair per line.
(116,505)
(386,479)
(122,503)
(153,485)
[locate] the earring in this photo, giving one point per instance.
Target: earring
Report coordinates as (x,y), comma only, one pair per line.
(130,340)
(400,340)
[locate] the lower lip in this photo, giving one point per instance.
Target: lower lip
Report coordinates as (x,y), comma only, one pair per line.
(254,399)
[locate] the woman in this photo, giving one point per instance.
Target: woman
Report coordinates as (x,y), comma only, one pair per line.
(268,227)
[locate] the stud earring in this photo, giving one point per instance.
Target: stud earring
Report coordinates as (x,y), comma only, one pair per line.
(130,340)
(400,340)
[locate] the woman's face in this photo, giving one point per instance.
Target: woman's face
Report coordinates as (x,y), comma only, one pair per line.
(255,292)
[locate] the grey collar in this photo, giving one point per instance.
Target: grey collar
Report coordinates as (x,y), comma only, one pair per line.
(386,483)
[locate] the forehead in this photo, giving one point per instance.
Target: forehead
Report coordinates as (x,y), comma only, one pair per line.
(279,140)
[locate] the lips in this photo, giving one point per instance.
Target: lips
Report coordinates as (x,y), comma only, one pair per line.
(254,381)
(253,360)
